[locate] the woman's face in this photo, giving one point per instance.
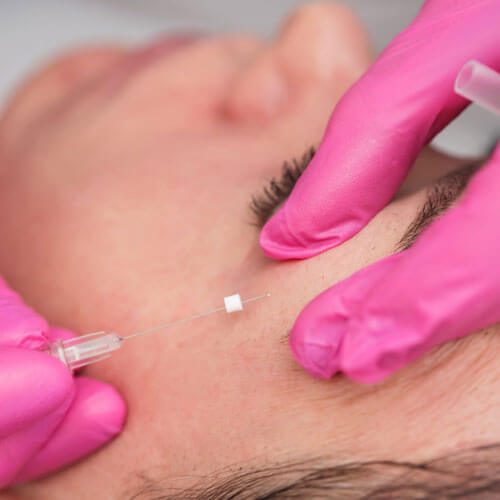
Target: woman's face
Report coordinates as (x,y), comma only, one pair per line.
(126,177)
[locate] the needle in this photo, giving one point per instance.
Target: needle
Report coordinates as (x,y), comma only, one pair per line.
(192,317)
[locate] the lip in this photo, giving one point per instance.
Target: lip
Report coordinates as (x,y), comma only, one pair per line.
(165,46)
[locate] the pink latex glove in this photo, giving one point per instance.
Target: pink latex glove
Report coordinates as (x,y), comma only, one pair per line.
(48,419)
(448,283)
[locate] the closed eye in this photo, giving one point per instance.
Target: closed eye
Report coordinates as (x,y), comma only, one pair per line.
(440,196)
(264,204)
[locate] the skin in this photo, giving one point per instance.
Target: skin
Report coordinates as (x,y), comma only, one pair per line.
(126,176)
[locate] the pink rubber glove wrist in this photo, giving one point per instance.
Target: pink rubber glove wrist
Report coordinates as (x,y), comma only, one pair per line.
(445,286)
(48,419)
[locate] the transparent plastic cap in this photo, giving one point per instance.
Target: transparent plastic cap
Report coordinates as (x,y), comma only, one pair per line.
(81,351)
(480,84)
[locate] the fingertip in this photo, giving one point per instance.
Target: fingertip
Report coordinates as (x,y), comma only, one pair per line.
(316,339)
(318,360)
(101,405)
(277,242)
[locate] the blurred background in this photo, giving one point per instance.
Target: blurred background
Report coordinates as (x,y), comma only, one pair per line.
(34,30)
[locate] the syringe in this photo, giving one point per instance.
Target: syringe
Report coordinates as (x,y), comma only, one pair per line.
(93,347)
(480,84)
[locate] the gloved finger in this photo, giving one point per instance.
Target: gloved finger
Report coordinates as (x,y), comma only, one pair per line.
(319,331)
(446,286)
(32,405)
(20,326)
(380,126)
(96,416)
(57,333)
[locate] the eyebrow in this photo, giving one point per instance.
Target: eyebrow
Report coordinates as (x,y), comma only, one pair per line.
(440,196)
(468,473)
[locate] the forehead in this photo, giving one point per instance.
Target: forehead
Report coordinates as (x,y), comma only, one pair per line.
(154,225)
(225,390)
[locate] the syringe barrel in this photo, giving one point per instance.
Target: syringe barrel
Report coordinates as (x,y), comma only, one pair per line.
(480,84)
(85,350)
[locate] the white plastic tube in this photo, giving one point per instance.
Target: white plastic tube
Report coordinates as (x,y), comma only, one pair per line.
(480,84)
(233,303)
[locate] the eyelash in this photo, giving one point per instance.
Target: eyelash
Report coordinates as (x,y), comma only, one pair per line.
(264,204)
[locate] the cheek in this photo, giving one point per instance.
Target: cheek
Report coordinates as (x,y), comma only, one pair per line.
(115,232)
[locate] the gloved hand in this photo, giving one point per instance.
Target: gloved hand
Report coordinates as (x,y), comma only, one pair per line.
(447,284)
(48,419)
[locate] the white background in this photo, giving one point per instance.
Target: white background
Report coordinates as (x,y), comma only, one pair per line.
(33,30)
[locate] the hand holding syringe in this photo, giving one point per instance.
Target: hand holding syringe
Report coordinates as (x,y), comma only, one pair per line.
(88,349)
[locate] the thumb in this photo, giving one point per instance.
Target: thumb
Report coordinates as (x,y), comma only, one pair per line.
(32,405)
(96,416)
